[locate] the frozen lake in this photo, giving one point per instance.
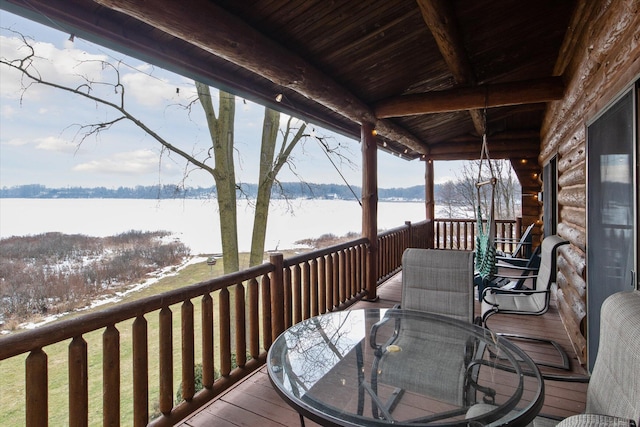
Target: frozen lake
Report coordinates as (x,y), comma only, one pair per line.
(195,222)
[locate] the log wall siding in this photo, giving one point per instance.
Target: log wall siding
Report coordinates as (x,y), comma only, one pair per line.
(599,57)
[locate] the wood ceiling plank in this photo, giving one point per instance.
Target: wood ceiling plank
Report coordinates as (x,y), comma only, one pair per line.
(234,40)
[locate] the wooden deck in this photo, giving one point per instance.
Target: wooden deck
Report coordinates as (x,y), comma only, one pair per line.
(253,402)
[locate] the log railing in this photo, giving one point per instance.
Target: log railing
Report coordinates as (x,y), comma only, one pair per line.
(460,233)
(392,243)
(148,348)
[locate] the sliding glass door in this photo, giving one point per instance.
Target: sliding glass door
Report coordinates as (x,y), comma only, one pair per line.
(612,208)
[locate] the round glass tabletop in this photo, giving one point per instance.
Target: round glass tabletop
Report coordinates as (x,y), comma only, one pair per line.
(381,367)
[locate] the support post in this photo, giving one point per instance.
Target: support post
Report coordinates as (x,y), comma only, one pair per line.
(370,206)
(430,202)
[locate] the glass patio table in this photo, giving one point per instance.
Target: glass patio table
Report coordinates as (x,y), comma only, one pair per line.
(404,368)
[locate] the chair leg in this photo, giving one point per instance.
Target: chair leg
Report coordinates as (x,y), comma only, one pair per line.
(564,365)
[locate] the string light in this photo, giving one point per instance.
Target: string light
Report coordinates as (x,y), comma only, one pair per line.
(279,97)
(374,133)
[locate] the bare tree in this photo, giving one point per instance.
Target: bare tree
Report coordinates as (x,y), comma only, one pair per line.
(506,192)
(221,131)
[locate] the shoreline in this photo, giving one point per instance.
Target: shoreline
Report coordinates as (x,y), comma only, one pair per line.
(152,278)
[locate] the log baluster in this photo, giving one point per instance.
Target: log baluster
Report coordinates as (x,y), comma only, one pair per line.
(78,385)
(254,319)
(140,372)
(313,277)
(225,332)
(37,404)
(297,293)
(358,265)
(306,290)
(343,275)
(329,282)
(165,332)
(288,298)
(240,325)
(323,299)
(188,351)
(111,376)
(267,317)
(207,341)
(335,266)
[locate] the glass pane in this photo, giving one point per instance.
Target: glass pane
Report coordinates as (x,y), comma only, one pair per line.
(610,211)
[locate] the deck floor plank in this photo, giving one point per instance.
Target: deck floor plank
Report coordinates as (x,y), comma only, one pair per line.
(254,402)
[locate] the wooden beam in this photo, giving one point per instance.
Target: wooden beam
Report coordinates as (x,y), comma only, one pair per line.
(439,17)
(496,95)
(505,149)
(234,40)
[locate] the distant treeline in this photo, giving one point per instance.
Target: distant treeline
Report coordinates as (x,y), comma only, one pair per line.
(288,189)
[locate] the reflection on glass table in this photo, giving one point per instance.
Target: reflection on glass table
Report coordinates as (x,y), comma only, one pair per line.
(403,368)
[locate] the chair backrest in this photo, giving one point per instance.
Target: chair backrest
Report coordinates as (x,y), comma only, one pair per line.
(548,257)
(524,245)
(614,387)
(438,281)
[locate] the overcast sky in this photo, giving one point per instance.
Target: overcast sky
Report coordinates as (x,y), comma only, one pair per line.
(41,142)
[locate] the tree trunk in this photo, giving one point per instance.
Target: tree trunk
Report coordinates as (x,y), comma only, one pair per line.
(221,130)
(265,183)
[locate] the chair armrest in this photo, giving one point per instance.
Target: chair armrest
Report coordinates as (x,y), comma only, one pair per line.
(566,378)
(522,292)
(522,262)
(588,420)
(374,330)
(515,267)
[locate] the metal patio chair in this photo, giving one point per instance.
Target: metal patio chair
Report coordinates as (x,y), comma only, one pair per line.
(613,393)
(524,301)
(439,282)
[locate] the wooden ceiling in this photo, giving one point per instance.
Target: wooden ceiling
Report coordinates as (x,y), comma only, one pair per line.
(422,71)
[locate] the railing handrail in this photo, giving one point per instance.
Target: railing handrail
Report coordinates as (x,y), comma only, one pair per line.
(23,342)
(297,259)
(498,221)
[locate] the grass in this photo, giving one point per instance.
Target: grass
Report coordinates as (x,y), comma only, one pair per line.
(12,371)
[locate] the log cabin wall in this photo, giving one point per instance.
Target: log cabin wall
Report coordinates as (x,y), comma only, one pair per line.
(600,57)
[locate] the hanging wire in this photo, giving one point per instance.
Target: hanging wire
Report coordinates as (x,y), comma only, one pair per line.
(325,150)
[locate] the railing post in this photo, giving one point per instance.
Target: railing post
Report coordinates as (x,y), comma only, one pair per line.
(370,206)
(430,203)
(277,295)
